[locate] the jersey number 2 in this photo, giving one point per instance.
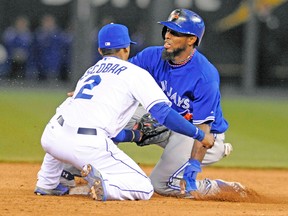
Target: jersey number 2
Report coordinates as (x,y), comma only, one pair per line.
(96,80)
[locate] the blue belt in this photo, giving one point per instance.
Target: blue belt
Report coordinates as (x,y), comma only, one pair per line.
(86,131)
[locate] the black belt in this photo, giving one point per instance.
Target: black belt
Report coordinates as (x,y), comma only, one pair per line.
(87,131)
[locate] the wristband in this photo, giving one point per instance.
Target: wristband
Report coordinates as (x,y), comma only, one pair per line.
(193,167)
(137,135)
(199,134)
(133,135)
(126,135)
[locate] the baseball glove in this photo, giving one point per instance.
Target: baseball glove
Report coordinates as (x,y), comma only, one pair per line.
(153,132)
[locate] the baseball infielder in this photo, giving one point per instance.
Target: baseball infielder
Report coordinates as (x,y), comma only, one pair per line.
(104,100)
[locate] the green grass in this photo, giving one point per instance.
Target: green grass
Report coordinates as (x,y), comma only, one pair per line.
(24,114)
(257,129)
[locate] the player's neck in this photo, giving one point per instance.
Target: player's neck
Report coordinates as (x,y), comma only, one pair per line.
(114,56)
(180,60)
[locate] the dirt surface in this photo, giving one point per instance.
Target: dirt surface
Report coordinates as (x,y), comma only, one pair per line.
(268,195)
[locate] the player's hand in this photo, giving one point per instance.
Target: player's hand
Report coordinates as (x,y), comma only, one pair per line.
(182,186)
(194,193)
(208,140)
(70,94)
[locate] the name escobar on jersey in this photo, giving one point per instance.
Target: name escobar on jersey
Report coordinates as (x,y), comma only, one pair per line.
(105,68)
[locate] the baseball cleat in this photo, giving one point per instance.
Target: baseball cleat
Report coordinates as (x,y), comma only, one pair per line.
(95,182)
(233,187)
(68,175)
(67,179)
(204,186)
(209,187)
(58,191)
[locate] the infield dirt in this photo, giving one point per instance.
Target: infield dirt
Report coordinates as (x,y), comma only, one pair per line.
(268,195)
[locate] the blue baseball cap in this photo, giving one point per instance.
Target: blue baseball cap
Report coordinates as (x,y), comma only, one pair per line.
(114,36)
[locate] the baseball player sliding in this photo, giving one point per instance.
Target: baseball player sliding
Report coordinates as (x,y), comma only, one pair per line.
(191,83)
(104,100)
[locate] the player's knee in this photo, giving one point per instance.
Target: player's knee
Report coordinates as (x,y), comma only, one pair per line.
(159,187)
(164,190)
(212,157)
(147,191)
(150,193)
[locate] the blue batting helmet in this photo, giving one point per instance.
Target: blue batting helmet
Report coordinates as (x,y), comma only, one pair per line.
(186,22)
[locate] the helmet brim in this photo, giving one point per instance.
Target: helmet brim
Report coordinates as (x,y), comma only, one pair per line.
(173,26)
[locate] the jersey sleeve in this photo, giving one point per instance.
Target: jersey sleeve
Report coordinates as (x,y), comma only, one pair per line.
(206,102)
(145,89)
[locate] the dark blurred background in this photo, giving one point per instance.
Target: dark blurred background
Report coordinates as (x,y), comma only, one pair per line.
(247,40)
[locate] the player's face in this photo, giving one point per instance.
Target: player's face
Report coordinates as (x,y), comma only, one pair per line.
(175,44)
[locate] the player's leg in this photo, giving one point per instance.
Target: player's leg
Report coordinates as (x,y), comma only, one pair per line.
(48,178)
(68,175)
(176,153)
(69,171)
(218,151)
(123,178)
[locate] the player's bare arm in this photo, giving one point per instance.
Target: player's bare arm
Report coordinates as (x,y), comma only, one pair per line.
(200,148)
(193,165)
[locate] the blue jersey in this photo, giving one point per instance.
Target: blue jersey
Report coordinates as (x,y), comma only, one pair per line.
(192,88)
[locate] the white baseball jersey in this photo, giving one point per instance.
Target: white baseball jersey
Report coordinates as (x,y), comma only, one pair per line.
(104,100)
(108,94)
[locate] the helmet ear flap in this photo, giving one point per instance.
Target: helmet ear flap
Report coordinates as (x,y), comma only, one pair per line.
(164,30)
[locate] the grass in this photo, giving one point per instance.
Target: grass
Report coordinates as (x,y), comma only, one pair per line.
(257,129)
(257,132)
(24,115)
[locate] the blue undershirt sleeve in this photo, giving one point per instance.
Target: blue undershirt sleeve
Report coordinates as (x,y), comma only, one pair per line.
(174,121)
(126,135)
